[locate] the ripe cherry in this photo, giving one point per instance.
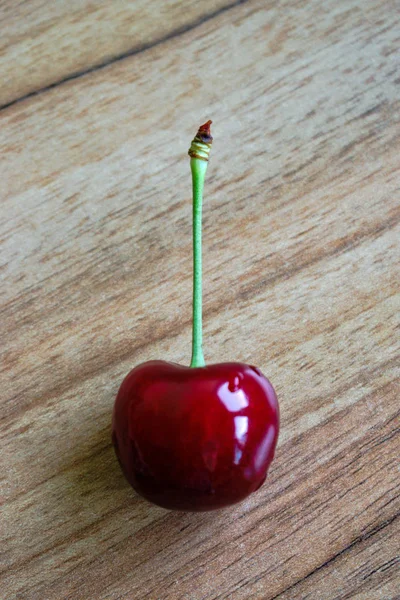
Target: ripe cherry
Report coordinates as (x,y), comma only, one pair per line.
(195,439)
(200,437)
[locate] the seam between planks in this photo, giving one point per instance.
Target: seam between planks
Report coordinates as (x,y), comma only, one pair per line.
(127,54)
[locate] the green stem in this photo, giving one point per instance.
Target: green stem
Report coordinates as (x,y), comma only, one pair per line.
(198,152)
(198,168)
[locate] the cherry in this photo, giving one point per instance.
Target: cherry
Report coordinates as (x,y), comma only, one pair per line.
(200,437)
(195,439)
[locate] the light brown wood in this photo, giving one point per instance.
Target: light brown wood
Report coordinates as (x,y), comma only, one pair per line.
(301,258)
(44,43)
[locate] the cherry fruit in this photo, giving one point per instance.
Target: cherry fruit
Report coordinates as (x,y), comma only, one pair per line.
(200,437)
(195,439)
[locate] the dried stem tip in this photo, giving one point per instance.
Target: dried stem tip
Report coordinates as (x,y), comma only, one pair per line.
(201,144)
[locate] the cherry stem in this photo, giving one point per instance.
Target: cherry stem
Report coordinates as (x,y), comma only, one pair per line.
(198,168)
(199,151)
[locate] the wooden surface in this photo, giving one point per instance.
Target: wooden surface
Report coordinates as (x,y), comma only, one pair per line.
(301,270)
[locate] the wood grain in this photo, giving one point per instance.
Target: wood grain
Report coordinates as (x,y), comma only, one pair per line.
(44,43)
(301,257)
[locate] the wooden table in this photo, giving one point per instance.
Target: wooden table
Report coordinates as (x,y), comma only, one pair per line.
(99,102)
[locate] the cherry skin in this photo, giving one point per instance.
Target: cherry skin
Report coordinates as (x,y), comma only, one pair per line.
(195,439)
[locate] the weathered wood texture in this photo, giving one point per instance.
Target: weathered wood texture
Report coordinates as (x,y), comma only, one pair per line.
(301,260)
(45,43)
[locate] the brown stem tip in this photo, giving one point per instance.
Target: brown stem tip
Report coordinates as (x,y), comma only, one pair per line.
(201,144)
(204,133)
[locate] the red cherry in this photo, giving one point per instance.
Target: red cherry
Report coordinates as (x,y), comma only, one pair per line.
(195,438)
(199,437)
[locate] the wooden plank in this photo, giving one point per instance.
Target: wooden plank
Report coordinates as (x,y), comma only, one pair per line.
(301,231)
(43,43)
(368,568)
